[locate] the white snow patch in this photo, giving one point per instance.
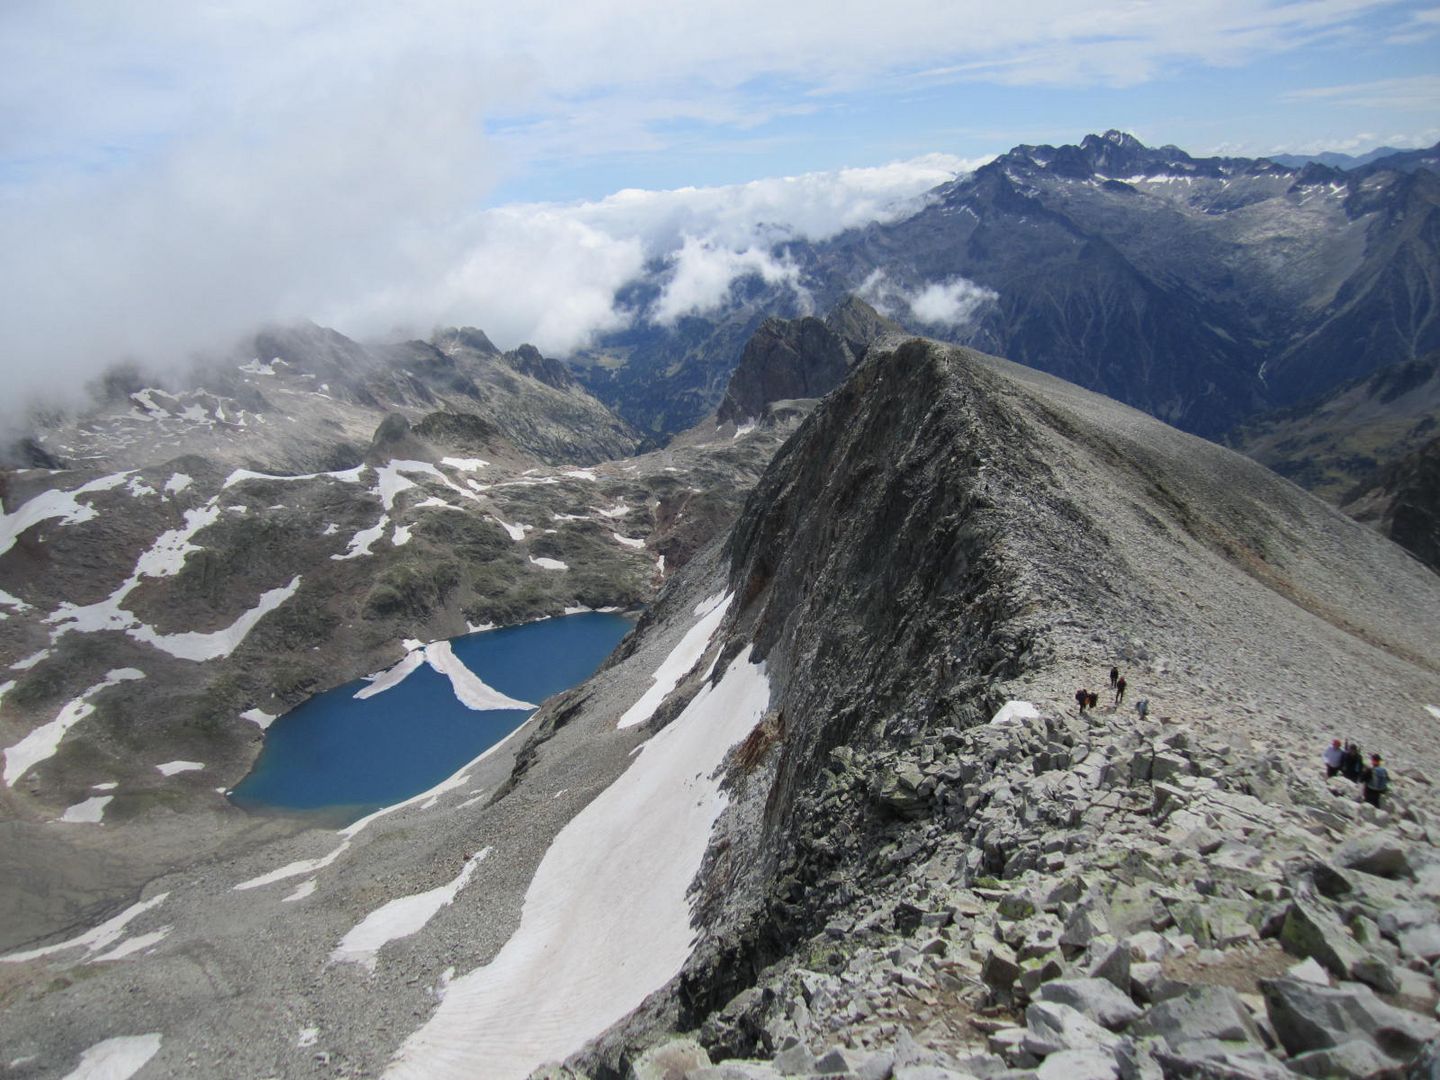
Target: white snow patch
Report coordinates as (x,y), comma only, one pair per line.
(619,510)
(177,483)
(304,889)
(255,367)
(516,532)
(109,785)
(307,1037)
(582,474)
(1433,710)
(681,659)
(295,869)
(116,1059)
(45,740)
(742,431)
(480,628)
(30,661)
(464,464)
(170,768)
(138,487)
(472,692)
(330,529)
(392,676)
(346,476)
(361,541)
(13,601)
(569,517)
(401,917)
(401,535)
(89,812)
(219,643)
(548,564)
(628,541)
(65,505)
(166,556)
(610,897)
(436,501)
(1013,712)
(580,610)
(132,945)
(259,717)
(94,939)
(660,566)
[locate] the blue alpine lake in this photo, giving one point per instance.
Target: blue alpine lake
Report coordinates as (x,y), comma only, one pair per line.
(349,756)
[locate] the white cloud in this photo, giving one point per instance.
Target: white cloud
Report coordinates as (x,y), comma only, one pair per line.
(1414,92)
(950,303)
(174,174)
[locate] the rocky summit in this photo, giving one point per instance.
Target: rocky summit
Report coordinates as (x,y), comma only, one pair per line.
(832,808)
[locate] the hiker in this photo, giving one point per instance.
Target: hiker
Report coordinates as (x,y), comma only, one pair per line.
(1333,757)
(1377,780)
(1082,696)
(1351,763)
(1094,699)
(1142,707)
(1119,690)
(1114,674)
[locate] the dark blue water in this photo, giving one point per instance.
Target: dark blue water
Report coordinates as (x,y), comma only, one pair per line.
(334,752)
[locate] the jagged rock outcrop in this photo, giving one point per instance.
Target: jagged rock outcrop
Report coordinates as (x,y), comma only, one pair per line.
(1402,500)
(802,358)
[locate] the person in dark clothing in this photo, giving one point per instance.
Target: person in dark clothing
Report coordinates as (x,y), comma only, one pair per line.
(1119,690)
(1351,763)
(1377,780)
(1094,699)
(1082,696)
(1114,675)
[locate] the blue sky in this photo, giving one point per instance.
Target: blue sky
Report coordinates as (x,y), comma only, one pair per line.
(174,173)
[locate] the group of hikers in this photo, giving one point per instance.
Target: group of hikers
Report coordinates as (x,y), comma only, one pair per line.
(1088,699)
(1349,762)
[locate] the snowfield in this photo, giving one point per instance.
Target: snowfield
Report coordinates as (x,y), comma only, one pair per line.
(608,905)
(681,659)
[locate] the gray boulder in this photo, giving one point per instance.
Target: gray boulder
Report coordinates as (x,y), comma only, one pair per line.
(1309,1017)
(1079,1065)
(670,1061)
(1201,1012)
(1310,932)
(1357,1058)
(1209,1059)
(1052,1027)
(1098,999)
(1375,853)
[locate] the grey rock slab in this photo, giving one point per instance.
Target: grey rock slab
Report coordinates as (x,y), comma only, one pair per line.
(669,1061)
(734,1070)
(1309,970)
(1310,932)
(1079,1065)
(1309,1017)
(928,1072)
(1375,853)
(1214,1060)
(1051,1027)
(1098,999)
(1358,1058)
(1423,942)
(1201,1012)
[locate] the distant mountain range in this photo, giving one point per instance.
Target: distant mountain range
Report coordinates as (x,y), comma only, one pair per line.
(1202,290)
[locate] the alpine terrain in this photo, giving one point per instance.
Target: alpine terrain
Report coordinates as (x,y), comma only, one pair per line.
(830,809)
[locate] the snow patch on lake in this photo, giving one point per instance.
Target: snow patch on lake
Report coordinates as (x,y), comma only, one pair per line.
(391,677)
(116,1059)
(401,917)
(45,740)
(610,897)
(468,687)
(681,659)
